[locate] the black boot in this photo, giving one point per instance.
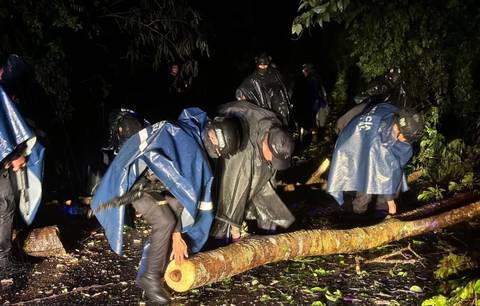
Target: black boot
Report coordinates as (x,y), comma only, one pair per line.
(154,288)
(162,220)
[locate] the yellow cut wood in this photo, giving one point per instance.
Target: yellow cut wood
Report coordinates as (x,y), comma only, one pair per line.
(213,266)
(315,178)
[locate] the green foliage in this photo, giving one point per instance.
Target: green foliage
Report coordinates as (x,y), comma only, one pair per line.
(433,42)
(265,298)
(465,184)
(431,193)
(438,300)
(397,273)
(317,12)
(323,272)
(452,264)
(456,289)
(431,143)
(445,164)
(462,295)
(333,296)
(416,289)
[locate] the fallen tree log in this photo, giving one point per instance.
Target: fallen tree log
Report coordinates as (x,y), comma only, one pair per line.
(433,207)
(251,252)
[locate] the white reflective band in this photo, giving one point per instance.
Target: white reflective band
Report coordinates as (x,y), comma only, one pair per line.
(143,136)
(205,206)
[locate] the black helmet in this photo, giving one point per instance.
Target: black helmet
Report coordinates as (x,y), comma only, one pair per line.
(394,75)
(128,125)
(263,59)
(308,66)
(411,124)
(228,133)
(123,123)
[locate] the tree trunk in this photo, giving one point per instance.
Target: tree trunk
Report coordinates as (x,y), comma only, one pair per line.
(215,265)
(457,200)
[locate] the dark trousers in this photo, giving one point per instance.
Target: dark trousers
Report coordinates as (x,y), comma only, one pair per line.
(362,200)
(7,210)
(161,214)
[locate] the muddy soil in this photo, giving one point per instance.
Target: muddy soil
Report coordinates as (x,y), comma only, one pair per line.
(91,274)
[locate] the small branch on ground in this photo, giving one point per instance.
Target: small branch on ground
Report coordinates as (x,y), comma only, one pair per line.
(387,259)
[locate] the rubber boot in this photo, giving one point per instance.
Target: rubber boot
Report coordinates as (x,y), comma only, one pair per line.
(162,221)
(154,287)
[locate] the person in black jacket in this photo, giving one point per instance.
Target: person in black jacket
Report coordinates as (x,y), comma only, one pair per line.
(245,186)
(265,88)
(310,102)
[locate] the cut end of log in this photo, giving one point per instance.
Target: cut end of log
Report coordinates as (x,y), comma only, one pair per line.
(44,242)
(180,278)
(176,275)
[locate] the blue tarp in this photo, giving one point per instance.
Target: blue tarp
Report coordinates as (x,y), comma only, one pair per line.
(367,157)
(14,131)
(174,152)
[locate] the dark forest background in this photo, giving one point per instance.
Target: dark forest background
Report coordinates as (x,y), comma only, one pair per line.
(89,57)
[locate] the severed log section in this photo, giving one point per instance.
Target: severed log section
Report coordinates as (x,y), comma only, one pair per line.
(44,242)
(251,252)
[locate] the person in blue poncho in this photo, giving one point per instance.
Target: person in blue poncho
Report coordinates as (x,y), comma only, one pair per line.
(164,171)
(21,162)
(370,154)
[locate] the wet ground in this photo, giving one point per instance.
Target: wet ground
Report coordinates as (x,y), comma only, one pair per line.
(92,274)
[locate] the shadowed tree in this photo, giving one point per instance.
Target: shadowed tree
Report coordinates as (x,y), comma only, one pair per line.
(437,46)
(49,33)
(79,49)
(435,43)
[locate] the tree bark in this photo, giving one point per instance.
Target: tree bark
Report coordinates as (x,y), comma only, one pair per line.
(251,252)
(44,242)
(458,199)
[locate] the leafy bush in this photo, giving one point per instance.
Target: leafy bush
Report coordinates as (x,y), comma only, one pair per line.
(448,165)
(455,288)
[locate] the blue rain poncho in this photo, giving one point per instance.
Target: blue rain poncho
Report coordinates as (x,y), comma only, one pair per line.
(15,133)
(367,157)
(174,152)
